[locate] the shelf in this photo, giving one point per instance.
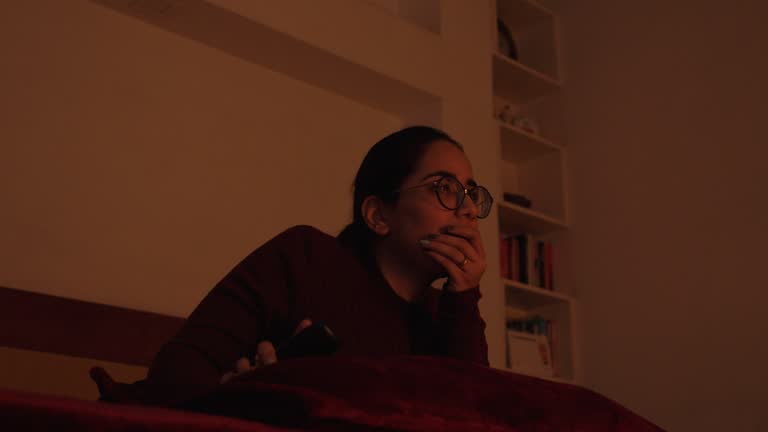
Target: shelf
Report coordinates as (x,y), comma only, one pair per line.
(515,219)
(530,297)
(518,145)
(522,13)
(518,83)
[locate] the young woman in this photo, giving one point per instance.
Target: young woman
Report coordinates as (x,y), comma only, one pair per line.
(415,220)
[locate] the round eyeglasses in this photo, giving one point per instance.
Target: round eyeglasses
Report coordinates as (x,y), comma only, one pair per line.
(451,193)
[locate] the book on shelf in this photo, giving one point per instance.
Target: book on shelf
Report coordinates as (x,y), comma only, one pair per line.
(504,251)
(548,267)
(527,260)
(529,353)
(523,333)
(529,324)
(514,256)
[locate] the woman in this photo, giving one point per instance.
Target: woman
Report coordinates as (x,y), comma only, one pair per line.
(415,220)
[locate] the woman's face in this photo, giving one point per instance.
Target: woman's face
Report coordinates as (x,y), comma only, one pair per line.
(418,212)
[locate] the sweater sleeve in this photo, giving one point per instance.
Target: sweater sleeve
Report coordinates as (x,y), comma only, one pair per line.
(460,328)
(230,320)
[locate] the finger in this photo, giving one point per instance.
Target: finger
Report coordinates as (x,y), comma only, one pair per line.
(454,248)
(242,365)
(227,376)
(266,352)
(471,235)
(302,325)
(461,244)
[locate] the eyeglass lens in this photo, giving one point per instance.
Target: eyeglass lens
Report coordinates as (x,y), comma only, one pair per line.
(451,194)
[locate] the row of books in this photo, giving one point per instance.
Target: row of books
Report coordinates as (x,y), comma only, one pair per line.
(527,260)
(533,325)
(532,345)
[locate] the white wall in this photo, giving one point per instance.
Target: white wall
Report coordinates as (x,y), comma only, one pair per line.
(137,166)
(667,143)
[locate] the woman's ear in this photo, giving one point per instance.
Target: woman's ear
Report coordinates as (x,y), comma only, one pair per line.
(373,212)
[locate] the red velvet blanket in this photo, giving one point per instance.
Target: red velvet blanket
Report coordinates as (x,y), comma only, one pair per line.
(342,393)
(31,412)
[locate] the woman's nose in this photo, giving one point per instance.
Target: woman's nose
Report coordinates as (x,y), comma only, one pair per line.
(468,208)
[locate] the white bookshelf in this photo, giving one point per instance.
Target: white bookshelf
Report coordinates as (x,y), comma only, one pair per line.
(518,145)
(533,164)
(514,218)
(521,13)
(520,83)
(531,297)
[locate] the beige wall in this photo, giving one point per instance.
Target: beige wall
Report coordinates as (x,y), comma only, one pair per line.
(138,165)
(667,144)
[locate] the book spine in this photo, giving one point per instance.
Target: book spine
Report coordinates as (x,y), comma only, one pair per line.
(514,259)
(548,266)
(523,258)
(530,252)
(504,256)
(540,268)
(551,267)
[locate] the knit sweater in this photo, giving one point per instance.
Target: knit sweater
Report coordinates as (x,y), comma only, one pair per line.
(305,273)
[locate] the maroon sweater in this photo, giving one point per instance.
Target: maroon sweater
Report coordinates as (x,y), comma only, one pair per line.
(304,273)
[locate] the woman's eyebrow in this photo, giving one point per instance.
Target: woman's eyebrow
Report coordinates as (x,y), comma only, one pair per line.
(471,182)
(438,174)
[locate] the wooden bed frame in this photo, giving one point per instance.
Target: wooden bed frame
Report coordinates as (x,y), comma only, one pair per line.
(49,343)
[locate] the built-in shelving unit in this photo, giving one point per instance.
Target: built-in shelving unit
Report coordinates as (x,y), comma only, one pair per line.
(533,165)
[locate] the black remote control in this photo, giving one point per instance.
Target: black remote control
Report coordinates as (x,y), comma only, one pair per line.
(315,340)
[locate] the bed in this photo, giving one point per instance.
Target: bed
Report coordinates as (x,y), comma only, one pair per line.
(397,393)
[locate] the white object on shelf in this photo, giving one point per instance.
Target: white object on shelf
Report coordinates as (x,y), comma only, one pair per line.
(529,354)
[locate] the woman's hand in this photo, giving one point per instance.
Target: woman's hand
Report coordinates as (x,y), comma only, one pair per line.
(460,251)
(265,356)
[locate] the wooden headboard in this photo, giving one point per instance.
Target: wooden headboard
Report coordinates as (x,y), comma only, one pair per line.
(48,343)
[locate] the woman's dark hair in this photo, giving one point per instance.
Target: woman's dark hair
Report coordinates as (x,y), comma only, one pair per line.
(383,171)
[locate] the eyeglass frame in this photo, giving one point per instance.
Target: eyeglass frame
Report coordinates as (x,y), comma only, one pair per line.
(466,191)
